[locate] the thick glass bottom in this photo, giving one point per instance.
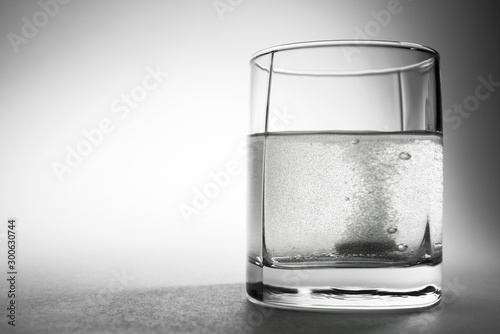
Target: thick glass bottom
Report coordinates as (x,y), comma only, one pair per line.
(345,288)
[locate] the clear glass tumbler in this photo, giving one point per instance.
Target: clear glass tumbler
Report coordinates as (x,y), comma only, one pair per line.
(346,176)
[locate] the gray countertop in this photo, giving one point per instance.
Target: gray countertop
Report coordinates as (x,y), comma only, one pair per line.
(471,304)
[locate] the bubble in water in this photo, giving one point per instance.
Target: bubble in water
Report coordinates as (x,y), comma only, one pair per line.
(354,141)
(347,199)
(402,247)
(404,156)
(392,230)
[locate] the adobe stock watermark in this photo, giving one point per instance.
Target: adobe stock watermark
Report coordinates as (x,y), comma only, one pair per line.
(220,179)
(30,27)
(121,106)
(484,89)
(221,7)
(256,318)
(118,282)
(381,19)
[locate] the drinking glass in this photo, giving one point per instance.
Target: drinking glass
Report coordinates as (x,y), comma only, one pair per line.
(345,176)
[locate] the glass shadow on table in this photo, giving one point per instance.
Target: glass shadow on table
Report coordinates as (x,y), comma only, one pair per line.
(274,320)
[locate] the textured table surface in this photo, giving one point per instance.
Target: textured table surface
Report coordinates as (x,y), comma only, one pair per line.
(469,306)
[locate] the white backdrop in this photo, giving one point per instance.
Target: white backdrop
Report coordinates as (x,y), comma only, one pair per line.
(124,200)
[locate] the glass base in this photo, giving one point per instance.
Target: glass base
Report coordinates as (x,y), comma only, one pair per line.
(345,288)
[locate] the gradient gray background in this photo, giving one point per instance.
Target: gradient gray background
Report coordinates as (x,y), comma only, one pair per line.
(118,211)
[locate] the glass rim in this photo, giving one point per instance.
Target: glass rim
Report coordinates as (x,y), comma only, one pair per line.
(346,43)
